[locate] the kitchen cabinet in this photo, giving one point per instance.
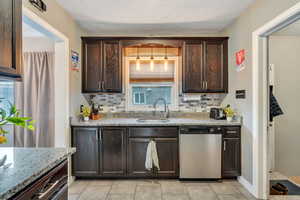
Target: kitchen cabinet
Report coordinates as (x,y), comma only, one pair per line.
(85,162)
(205,67)
(167,149)
(113,151)
(51,185)
(112,67)
(231,161)
(102,68)
(10,38)
(137,148)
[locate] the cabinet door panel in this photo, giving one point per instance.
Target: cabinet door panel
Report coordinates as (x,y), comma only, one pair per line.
(193,66)
(85,160)
(137,149)
(92,59)
(214,67)
(112,68)
(231,157)
(6,30)
(167,150)
(10,38)
(113,152)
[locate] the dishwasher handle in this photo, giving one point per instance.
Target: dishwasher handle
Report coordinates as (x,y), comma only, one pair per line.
(201,130)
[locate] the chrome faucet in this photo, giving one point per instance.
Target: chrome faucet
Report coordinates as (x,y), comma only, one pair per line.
(167,112)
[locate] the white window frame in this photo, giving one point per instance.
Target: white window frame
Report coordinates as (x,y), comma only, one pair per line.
(142,107)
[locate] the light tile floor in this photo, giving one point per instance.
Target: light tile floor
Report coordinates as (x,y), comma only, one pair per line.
(157,190)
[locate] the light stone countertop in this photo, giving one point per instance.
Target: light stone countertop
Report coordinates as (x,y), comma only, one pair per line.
(171,122)
(28,164)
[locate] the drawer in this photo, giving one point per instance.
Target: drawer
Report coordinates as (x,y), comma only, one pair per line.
(152,132)
(232,132)
(48,186)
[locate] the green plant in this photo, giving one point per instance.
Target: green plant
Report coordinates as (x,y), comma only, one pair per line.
(86,111)
(13,117)
(229,111)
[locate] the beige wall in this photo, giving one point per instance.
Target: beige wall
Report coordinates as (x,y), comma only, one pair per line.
(284,54)
(240,33)
(37,44)
(63,22)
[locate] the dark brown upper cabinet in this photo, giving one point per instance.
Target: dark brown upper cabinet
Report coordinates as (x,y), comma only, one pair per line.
(102,68)
(205,66)
(10,38)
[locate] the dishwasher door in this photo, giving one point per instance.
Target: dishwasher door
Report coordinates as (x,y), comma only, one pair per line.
(200,156)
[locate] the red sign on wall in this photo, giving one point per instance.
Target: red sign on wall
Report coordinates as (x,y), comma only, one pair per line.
(240,59)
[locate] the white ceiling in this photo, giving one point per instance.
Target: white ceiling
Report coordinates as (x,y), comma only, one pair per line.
(291,30)
(154,17)
(28,31)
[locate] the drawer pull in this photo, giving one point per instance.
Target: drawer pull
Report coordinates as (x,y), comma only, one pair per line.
(42,195)
(232,132)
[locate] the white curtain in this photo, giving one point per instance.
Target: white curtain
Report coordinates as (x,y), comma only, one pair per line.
(35,98)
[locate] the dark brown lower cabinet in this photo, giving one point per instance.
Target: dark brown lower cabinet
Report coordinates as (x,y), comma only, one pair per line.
(167,150)
(231,164)
(117,152)
(137,148)
(113,152)
(85,162)
(166,139)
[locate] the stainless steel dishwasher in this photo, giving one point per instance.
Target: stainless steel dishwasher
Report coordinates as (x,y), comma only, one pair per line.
(200,150)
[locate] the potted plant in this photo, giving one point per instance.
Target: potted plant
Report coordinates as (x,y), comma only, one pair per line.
(86,112)
(229,113)
(13,117)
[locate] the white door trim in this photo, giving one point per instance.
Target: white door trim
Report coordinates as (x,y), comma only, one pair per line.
(260,97)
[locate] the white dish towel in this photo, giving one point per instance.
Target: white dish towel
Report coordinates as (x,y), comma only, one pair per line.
(151,156)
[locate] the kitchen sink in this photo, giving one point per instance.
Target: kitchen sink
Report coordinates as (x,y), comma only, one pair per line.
(164,120)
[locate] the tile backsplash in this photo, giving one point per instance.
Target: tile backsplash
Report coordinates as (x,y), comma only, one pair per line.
(186,102)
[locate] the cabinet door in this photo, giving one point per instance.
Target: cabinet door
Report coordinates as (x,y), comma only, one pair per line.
(10,38)
(167,150)
(85,161)
(231,157)
(113,151)
(92,67)
(193,61)
(216,76)
(112,67)
(137,148)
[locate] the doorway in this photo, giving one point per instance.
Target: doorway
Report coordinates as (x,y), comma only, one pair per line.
(51,40)
(260,39)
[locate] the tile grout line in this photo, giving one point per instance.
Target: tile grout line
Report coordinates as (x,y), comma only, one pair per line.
(108,194)
(134,194)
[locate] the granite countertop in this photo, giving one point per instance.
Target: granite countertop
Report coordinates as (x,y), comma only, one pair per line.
(171,122)
(28,164)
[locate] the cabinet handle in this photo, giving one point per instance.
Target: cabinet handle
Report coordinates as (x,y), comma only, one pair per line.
(206,85)
(232,132)
(102,85)
(100,135)
(224,145)
(42,195)
(97,136)
(99,85)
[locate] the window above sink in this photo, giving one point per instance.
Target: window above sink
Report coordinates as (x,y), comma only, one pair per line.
(149,79)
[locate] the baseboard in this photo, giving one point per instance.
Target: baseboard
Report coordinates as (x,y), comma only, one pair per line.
(246,185)
(71,179)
